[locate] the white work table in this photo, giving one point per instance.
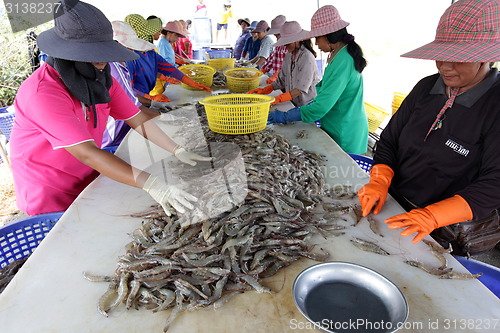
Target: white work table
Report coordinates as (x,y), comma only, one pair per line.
(49,293)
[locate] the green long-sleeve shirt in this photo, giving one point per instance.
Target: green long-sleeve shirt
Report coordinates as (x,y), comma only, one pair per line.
(339,105)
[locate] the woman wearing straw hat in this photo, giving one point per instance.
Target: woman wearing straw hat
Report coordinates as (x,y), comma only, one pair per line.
(299,73)
(438,156)
(150,65)
(61,112)
(339,101)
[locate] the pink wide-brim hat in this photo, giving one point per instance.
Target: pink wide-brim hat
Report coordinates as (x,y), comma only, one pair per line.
(468,31)
(177,27)
(325,21)
(276,25)
(124,34)
(291,32)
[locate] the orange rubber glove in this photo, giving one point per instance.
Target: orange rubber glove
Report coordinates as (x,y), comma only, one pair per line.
(169,79)
(262,91)
(285,97)
(158,98)
(375,192)
(272,78)
(190,82)
(424,220)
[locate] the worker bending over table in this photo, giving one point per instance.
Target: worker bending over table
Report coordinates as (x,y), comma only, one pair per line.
(61,114)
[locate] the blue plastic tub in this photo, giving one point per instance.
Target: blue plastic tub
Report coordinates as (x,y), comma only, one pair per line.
(218,54)
(491,274)
(364,162)
(21,238)
(6,121)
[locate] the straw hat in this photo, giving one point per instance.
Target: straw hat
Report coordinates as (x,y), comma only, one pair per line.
(176,27)
(261,26)
(325,21)
(276,24)
(125,35)
(143,28)
(291,32)
(253,25)
(468,31)
(82,33)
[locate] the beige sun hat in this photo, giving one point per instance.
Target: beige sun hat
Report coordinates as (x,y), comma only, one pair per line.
(124,34)
(325,21)
(276,25)
(291,32)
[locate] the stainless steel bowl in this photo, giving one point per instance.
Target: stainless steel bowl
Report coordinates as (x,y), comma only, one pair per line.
(346,297)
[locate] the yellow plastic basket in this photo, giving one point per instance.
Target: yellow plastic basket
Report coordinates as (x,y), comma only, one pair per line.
(396,101)
(221,64)
(237,113)
(242,79)
(376,116)
(200,73)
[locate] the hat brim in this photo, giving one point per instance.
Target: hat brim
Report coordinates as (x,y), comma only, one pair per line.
(340,24)
(303,35)
(242,20)
(107,51)
(457,52)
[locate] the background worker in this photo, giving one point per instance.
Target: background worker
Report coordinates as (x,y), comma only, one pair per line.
(438,156)
(252,44)
(299,74)
(148,67)
(116,130)
(61,113)
(224,19)
(339,100)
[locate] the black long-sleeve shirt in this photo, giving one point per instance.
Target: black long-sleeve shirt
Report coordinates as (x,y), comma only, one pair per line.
(462,157)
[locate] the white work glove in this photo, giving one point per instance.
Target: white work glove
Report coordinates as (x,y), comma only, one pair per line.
(188,157)
(164,193)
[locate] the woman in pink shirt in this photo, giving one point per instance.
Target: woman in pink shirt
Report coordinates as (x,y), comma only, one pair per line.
(61,114)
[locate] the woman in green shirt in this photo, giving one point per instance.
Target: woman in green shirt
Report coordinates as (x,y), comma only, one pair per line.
(339,101)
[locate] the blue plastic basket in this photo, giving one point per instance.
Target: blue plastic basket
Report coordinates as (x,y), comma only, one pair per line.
(6,121)
(217,54)
(20,239)
(364,162)
(491,274)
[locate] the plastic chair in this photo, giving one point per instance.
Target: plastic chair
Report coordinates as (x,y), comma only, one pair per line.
(364,162)
(21,238)
(491,274)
